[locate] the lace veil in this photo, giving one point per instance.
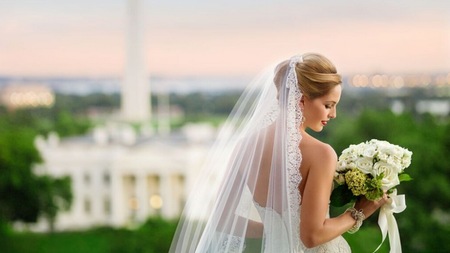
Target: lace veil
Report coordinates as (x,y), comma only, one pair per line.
(246,198)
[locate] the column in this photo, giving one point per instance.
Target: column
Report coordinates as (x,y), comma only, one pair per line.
(78,215)
(141,193)
(167,196)
(117,204)
(97,196)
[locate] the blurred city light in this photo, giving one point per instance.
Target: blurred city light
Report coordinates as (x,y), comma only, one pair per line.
(25,95)
(398,81)
(156,201)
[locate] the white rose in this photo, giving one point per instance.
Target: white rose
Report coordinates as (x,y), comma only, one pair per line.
(407,153)
(365,164)
(343,157)
(382,156)
(390,178)
(369,151)
(397,151)
(349,153)
(406,159)
(363,148)
(348,158)
(406,162)
(351,165)
(395,162)
(383,143)
(341,165)
(372,142)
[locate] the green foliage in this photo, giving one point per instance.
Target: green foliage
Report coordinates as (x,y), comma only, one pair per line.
(200,105)
(404,177)
(373,185)
(341,196)
(17,183)
(154,236)
(367,239)
(54,195)
(25,196)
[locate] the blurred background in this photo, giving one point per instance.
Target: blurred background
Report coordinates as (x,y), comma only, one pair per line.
(108,108)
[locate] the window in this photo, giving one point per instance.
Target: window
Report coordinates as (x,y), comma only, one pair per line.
(87,179)
(107,205)
(87,206)
(106,178)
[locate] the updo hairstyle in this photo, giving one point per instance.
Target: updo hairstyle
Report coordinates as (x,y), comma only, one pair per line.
(316,75)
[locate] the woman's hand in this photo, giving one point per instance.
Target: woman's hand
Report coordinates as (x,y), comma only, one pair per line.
(368,206)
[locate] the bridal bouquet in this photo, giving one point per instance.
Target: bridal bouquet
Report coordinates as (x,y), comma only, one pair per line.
(369,169)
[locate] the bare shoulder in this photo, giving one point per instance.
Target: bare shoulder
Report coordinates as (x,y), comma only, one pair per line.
(318,154)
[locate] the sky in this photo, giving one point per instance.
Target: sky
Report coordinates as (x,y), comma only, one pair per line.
(223,38)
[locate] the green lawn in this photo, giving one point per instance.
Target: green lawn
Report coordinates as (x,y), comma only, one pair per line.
(153,237)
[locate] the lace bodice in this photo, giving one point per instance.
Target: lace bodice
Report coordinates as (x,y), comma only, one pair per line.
(337,245)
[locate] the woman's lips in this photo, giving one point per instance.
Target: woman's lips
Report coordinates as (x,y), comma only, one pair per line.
(324,122)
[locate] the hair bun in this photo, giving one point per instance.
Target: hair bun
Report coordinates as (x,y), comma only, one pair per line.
(316,75)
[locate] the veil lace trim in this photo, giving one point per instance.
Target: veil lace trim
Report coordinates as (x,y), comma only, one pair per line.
(293,149)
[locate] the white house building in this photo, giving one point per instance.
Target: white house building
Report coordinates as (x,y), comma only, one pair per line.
(120,177)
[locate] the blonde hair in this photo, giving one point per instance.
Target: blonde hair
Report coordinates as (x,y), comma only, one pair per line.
(316,75)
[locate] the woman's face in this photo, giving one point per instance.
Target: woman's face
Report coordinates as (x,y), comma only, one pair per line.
(320,110)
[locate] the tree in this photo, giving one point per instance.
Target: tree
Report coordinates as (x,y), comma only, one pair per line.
(54,195)
(18,198)
(24,196)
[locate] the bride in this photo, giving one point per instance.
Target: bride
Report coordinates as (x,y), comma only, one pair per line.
(266,184)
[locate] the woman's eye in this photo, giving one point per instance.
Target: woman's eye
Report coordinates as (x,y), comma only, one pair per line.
(328,106)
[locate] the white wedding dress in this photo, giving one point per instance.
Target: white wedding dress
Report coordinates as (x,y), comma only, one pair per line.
(337,245)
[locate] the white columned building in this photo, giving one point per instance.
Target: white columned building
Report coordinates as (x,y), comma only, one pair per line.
(118,182)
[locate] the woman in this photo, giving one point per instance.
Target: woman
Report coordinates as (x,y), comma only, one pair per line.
(266,185)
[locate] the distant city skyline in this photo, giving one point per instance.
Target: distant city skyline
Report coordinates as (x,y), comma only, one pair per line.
(224,38)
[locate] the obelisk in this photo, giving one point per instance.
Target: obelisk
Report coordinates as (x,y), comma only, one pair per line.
(135,104)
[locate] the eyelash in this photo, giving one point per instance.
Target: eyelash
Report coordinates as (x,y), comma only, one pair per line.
(328,106)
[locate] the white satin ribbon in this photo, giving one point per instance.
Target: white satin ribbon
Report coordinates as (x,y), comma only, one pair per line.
(387,222)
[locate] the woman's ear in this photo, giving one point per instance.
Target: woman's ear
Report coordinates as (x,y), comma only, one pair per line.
(302,102)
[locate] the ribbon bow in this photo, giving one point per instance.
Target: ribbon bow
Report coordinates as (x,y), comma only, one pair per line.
(387,222)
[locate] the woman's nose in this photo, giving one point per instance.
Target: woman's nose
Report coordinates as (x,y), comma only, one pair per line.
(332,114)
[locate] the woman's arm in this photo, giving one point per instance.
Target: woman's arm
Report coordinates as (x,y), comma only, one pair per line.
(315,229)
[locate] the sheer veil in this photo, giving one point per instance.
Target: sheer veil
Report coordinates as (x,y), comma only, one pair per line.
(246,199)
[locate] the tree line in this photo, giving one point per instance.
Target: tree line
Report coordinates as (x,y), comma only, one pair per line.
(424,225)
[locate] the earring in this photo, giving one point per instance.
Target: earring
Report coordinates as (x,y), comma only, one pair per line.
(302,120)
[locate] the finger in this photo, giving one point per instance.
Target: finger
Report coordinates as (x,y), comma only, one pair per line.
(382,200)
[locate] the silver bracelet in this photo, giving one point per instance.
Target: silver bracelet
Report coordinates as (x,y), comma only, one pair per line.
(358,216)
